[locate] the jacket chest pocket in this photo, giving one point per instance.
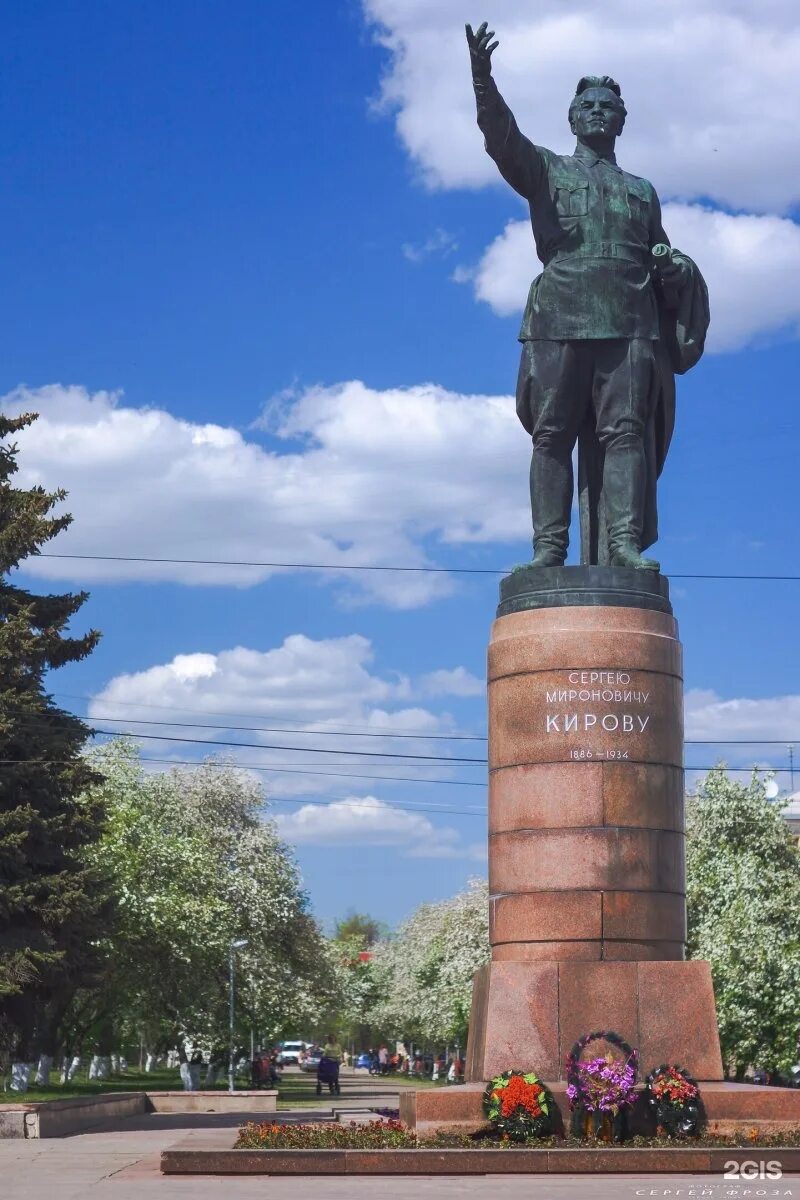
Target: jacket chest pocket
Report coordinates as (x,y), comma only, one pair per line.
(571,197)
(639,203)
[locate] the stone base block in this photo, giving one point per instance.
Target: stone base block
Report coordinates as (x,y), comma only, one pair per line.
(528,1014)
(731,1108)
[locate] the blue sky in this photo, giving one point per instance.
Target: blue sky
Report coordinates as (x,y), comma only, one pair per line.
(264,290)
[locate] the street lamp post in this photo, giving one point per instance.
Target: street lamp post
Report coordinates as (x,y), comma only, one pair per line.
(237,945)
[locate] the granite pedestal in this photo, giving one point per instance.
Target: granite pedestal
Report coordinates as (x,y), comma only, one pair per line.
(587,917)
(586,847)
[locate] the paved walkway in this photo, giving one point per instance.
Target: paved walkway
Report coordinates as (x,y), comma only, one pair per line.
(123,1165)
(120,1161)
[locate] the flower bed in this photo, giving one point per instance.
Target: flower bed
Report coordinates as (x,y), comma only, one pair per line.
(392,1135)
(378,1135)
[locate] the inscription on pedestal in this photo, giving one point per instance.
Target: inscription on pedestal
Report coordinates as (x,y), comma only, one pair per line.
(593,701)
(591,714)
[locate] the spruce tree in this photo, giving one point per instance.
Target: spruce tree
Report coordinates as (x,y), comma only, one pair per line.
(50,903)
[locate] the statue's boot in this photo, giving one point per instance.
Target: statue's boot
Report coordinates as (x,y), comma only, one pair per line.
(551,498)
(624,473)
(629,556)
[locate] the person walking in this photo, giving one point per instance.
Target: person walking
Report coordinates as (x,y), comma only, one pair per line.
(328,1070)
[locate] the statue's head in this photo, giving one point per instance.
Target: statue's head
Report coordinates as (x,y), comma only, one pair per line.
(597,110)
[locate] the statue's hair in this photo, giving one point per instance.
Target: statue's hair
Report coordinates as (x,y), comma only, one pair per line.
(598,81)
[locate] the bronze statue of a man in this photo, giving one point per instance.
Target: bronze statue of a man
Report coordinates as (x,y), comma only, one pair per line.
(613,316)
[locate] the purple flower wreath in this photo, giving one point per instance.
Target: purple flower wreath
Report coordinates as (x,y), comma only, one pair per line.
(602,1085)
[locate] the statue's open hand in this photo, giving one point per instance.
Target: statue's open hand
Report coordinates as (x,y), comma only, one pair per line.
(481,48)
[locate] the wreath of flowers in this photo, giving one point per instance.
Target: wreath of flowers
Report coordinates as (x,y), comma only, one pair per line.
(674,1097)
(671,1085)
(603,1084)
(519,1105)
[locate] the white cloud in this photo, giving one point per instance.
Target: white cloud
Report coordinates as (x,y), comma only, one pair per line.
(458,682)
(377,474)
(367,821)
(299,690)
(708,716)
(709,86)
(751,265)
(439,245)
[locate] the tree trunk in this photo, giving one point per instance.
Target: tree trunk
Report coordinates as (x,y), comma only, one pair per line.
(43,1070)
(149,1062)
(100,1067)
(212,1074)
(20,1076)
(189,1077)
(70,1067)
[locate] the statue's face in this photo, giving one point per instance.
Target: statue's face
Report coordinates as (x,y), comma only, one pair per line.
(597,112)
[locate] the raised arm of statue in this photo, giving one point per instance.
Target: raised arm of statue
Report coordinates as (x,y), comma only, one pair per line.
(520,162)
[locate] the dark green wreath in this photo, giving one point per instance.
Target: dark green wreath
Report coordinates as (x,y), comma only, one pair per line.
(523,1121)
(675,1117)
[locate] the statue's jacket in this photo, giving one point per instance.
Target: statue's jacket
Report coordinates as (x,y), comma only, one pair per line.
(594,226)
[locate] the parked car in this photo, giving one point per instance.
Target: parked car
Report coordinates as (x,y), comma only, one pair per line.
(363,1060)
(311,1060)
(290,1052)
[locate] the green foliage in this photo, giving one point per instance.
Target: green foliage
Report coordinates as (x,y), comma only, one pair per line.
(359,929)
(196,865)
(743,897)
(52,903)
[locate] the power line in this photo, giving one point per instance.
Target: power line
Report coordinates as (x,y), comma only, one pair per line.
(441,810)
(416,737)
(421,735)
(285,769)
(354,754)
(219,562)
(296,566)
(412,806)
(385,734)
(157,737)
(298,769)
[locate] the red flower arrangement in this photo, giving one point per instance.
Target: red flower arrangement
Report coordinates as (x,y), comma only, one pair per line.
(519,1105)
(674,1099)
(673,1088)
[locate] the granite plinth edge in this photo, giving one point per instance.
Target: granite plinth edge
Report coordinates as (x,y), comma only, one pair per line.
(560,587)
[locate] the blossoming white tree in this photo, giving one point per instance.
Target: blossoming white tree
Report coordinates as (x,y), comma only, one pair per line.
(195,864)
(743,899)
(425,971)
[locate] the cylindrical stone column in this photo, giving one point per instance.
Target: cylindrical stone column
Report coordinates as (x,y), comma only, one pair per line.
(586,841)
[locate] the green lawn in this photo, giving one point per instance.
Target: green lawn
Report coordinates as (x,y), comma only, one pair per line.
(161,1080)
(294,1090)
